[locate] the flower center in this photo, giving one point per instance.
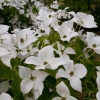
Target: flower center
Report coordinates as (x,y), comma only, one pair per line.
(62,51)
(45,63)
(63,98)
(31,77)
(82,22)
(42,31)
(71,73)
(28,50)
(49,16)
(22,40)
(94,45)
(64,36)
(1,40)
(59,23)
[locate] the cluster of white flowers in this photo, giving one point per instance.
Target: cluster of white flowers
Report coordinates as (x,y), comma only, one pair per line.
(25,45)
(18,4)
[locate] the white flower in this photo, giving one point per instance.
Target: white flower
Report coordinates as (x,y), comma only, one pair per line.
(65,33)
(43,30)
(26,52)
(3,52)
(24,37)
(10,52)
(54,5)
(5,38)
(31,79)
(49,18)
(93,42)
(63,52)
(63,91)
(3,29)
(82,36)
(45,58)
(85,20)
(74,73)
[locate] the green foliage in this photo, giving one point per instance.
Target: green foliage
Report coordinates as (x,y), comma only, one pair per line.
(90,67)
(15,85)
(5,72)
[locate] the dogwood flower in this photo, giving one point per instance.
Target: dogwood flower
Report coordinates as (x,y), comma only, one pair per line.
(43,29)
(32,79)
(63,52)
(8,52)
(26,52)
(3,52)
(24,37)
(65,33)
(85,20)
(45,58)
(73,73)
(93,42)
(49,18)
(5,38)
(63,91)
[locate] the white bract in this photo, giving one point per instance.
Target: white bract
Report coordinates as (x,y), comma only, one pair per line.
(45,58)
(10,52)
(63,52)
(93,42)
(32,79)
(4,86)
(26,52)
(49,18)
(46,46)
(63,91)
(73,73)
(65,32)
(3,29)
(24,37)
(84,20)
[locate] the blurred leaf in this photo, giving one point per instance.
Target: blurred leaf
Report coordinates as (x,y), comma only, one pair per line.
(5,72)
(18,97)
(14,62)
(50,82)
(90,87)
(15,85)
(90,67)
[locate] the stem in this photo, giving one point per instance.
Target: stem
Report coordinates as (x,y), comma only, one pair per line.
(92,54)
(79,28)
(76,27)
(82,54)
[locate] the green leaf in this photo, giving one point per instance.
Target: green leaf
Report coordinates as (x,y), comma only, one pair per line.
(90,67)
(80,43)
(19,97)
(5,72)
(35,10)
(90,87)
(15,85)
(53,37)
(50,82)
(14,62)
(45,93)
(51,72)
